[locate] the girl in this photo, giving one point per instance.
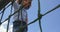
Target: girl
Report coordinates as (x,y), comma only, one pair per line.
(20,18)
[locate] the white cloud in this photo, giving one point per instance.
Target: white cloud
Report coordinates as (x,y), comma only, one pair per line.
(3,27)
(10,28)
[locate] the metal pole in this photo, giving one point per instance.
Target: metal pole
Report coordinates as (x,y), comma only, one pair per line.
(39,15)
(9,18)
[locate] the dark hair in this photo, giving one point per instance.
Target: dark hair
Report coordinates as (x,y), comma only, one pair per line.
(29,5)
(20,1)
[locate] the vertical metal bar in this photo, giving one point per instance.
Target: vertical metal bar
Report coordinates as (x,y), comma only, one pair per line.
(39,15)
(8,25)
(9,18)
(2,15)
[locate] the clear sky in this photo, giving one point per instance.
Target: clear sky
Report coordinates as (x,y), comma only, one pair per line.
(50,22)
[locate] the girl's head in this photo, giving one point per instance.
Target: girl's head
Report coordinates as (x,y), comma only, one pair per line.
(27,4)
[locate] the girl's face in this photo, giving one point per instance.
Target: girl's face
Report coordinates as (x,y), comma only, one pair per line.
(26,3)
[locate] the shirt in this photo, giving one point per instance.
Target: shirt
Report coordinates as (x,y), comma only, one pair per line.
(19,16)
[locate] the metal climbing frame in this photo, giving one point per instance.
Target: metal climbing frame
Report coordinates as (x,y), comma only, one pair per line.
(39,15)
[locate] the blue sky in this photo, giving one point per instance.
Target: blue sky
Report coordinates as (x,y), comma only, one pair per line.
(50,22)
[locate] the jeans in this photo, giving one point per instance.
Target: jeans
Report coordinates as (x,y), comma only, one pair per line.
(17,25)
